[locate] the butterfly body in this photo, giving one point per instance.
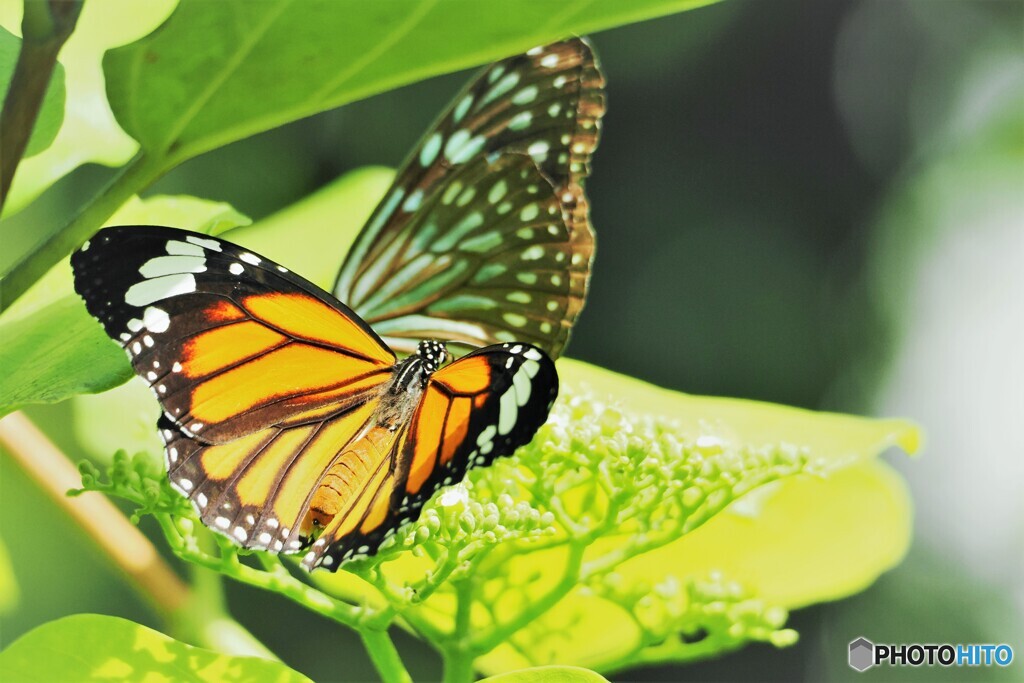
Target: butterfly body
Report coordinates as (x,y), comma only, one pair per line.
(289,420)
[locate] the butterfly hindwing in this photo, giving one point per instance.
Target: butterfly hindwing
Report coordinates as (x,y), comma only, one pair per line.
(480,407)
(501,266)
(230,342)
(544,105)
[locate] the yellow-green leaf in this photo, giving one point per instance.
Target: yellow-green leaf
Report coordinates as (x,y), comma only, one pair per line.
(93,647)
(548,674)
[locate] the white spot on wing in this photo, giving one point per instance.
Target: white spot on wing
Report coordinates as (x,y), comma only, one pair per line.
(146,292)
(170,265)
(508,411)
(176,248)
(203,242)
(521,381)
(156,320)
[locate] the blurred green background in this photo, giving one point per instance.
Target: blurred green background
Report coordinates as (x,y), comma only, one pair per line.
(819,204)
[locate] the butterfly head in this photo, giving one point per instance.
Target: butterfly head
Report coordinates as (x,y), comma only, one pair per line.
(433,354)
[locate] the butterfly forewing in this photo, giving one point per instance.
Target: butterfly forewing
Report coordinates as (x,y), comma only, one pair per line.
(478,408)
(545,105)
(229,342)
(262,376)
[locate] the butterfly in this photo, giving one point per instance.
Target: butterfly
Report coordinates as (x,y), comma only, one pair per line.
(289,419)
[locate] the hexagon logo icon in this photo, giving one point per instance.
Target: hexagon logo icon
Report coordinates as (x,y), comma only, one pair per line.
(862,654)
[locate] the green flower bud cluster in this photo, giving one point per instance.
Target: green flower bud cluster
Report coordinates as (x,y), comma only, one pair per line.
(683,620)
(139,479)
(594,470)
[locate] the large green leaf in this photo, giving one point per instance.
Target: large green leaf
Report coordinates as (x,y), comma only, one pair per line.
(93,647)
(218,72)
(88,132)
(57,352)
(51,113)
(314,235)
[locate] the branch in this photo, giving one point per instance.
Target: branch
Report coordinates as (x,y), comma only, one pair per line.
(121,540)
(45,27)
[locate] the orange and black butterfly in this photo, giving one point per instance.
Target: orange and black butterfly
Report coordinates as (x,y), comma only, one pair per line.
(288,422)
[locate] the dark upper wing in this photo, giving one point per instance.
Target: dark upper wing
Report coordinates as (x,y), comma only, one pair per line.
(499,272)
(482,406)
(546,105)
(230,342)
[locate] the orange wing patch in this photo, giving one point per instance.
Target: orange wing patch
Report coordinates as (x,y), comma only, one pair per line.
(455,428)
(264,473)
(425,437)
(220,462)
(294,369)
(470,376)
(223,311)
(305,317)
(225,346)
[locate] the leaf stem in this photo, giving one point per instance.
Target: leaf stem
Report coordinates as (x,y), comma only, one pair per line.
(45,28)
(384,655)
(456,653)
(139,173)
(120,540)
(458,665)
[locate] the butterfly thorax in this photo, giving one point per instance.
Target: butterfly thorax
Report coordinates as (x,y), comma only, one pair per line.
(412,373)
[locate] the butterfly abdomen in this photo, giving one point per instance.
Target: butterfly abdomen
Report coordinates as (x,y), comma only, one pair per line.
(355,493)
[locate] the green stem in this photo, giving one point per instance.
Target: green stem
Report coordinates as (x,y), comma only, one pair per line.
(457,656)
(209,621)
(133,178)
(458,666)
(45,28)
(384,655)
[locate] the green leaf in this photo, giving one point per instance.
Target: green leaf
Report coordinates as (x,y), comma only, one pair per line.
(314,234)
(8,582)
(835,437)
(263,64)
(92,647)
(548,674)
(51,113)
(88,132)
(56,353)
